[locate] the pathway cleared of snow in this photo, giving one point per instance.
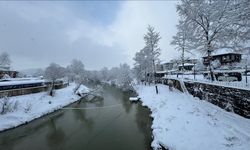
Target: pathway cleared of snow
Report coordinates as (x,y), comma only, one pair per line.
(181,121)
(32,106)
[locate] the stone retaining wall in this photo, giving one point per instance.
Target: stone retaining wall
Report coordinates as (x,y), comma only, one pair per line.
(228,98)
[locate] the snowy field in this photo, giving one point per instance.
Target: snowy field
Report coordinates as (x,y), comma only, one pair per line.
(26,108)
(182,122)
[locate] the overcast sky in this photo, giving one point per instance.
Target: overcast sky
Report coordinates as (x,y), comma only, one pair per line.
(98,33)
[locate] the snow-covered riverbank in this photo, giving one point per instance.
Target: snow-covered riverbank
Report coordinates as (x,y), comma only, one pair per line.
(184,122)
(29,107)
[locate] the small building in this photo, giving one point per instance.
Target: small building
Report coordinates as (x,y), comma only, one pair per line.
(224,59)
(187,67)
(159,67)
(168,66)
(4,70)
(191,61)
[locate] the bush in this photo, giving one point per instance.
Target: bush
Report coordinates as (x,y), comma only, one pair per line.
(28,107)
(7,106)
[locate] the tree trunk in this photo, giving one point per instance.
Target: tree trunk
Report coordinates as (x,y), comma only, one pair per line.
(52,88)
(209,62)
(156,89)
(183,61)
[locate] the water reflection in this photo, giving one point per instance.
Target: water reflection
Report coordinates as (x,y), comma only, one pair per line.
(125,101)
(144,123)
(80,115)
(55,136)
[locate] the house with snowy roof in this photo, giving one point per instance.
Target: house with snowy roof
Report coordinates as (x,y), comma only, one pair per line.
(187,66)
(227,58)
(6,71)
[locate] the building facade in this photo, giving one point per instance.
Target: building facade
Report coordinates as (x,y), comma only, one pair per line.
(224,59)
(6,71)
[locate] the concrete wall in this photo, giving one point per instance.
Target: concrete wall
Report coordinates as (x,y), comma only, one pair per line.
(230,99)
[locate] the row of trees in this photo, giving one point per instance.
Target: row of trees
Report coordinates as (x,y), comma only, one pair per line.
(75,72)
(146,58)
(208,25)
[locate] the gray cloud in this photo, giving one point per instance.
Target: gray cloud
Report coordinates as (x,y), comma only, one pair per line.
(38,33)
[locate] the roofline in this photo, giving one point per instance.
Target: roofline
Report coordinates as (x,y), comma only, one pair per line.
(224,54)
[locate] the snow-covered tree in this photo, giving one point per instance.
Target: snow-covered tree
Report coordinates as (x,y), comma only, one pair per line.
(76,71)
(39,72)
(124,76)
(54,72)
(216,64)
(180,40)
(5,59)
(143,64)
(200,66)
(216,24)
(152,39)
(104,73)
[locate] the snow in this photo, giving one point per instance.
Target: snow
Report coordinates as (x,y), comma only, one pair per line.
(181,121)
(161,71)
(82,90)
(223,51)
(134,98)
(33,106)
(186,64)
(17,82)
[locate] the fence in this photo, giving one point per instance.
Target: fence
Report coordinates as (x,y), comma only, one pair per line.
(228,98)
(243,84)
(29,90)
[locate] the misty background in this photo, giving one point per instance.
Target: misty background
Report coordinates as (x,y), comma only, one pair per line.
(103,33)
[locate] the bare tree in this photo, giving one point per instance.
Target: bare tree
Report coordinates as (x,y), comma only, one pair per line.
(54,72)
(76,72)
(5,59)
(151,39)
(216,24)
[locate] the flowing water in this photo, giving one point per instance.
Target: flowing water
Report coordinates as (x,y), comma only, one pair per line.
(111,123)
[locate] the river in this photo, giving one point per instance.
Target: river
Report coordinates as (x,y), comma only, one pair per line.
(111,123)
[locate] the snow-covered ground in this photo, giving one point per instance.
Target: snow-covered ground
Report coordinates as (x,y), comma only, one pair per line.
(184,122)
(26,108)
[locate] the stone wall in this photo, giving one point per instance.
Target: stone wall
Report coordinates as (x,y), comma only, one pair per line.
(228,98)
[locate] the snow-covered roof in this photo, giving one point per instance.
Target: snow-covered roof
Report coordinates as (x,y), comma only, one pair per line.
(17,82)
(186,64)
(223,51)
(161,71)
